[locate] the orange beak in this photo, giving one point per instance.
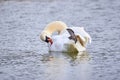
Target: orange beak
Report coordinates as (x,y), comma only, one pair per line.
(50,41)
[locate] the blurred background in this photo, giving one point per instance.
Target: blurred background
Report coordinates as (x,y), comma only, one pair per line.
(23,56)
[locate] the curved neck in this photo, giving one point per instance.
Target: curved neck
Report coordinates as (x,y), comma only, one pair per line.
(56,26)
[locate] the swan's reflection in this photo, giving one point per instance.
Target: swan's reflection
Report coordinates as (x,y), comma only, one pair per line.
(81,56)
(59,66)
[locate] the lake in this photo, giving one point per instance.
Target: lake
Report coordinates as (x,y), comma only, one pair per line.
(23,56)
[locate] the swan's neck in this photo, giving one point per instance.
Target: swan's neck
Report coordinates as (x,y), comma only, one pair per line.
(56,26)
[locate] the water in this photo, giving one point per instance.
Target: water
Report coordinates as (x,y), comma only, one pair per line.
(24,57)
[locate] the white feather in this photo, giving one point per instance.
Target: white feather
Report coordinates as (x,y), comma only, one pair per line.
(61,42)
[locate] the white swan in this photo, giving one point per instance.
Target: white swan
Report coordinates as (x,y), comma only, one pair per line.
(73,39)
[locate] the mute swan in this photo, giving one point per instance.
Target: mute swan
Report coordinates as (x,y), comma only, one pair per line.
(72,39)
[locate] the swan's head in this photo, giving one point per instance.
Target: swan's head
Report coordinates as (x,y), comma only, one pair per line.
(46,37)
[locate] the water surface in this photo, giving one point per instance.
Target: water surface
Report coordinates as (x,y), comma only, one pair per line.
(24,57)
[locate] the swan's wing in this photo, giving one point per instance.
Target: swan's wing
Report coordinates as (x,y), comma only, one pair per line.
(72,35)
(80,31)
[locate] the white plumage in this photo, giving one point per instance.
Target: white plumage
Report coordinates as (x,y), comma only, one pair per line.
(62,43)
